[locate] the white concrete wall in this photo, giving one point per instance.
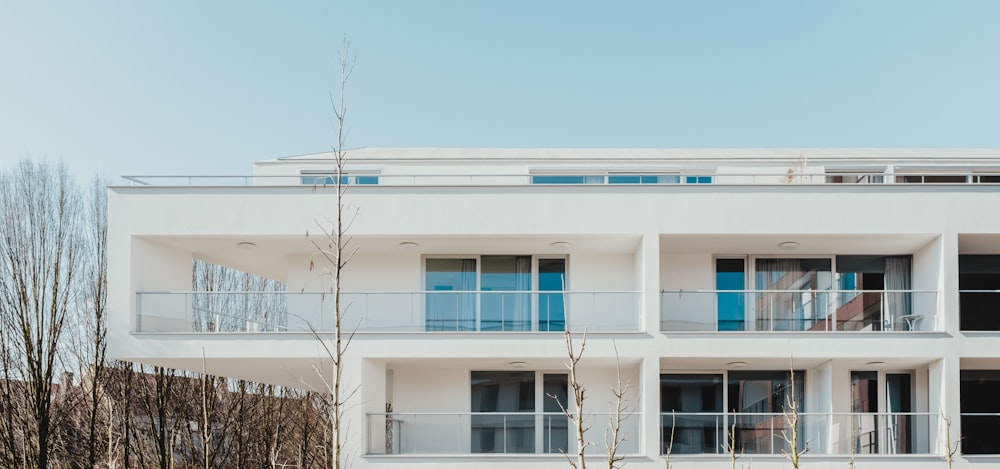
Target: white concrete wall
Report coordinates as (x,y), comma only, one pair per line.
(616,234)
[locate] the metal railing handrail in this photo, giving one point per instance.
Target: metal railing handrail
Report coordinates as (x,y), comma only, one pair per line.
(394,292)
(777,414)
(555,413)
(802,291)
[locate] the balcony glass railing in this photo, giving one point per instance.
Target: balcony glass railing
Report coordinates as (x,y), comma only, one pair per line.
(820,433)
(388,312)
(798,310)
(593,178)
(491,433)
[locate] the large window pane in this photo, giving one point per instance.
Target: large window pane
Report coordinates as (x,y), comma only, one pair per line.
(551,306)
(505,393)
(681,398)
(795,301)
(556,425)
(450,311)
(978,394)
(979,296)
(502,311)
(730,274)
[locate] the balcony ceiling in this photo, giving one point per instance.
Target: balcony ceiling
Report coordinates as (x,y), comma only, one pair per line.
(737,243)
(270,255)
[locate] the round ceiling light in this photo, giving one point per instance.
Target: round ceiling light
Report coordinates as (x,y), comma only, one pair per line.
(408,245)
(246,245)
(788,245)
(737,364)
(560,245)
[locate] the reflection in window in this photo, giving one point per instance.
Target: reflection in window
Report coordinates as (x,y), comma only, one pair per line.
(505,393)
(700,416)
(684,397)
(450,311)
(793,299)
(504,418)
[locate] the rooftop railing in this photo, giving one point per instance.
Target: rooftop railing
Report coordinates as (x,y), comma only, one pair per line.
(820,433)
(569,178)
(473,433)
(421,311)
(798,310)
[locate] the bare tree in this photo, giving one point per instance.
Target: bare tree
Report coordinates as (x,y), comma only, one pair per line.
(39,249)
(615,436)
(92,333)
(334,251)
(791,433)
(670,444)
(579,392)
(950,449)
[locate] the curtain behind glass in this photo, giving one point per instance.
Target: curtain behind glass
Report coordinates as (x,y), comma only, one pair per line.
(522,280)
(779,310)
(897,277)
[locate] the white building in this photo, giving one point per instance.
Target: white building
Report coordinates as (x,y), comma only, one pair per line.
(873,273)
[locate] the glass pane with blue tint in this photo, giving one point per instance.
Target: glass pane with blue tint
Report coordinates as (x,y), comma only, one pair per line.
(502,306)
(557,179)
(698,180)
(551,306)
(447,311)
(730,274)
(625,179)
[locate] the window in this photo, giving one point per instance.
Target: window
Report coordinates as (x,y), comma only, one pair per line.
(504,418)
(881,412)
(932,178)
(791,293)
(700,415)
(858,175)
(557,179)
(327,178)
(979,292)
(980,411)
(687,399)
(625,178)
(495,293)
(797,294)
(874,293)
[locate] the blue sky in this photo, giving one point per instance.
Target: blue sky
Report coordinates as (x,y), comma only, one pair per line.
(208,87)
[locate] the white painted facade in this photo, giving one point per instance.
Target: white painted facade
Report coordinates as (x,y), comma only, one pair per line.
(641,234)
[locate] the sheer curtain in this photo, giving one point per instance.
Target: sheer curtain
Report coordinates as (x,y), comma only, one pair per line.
(778,310)
(467,300)
(522,282)
(898,282)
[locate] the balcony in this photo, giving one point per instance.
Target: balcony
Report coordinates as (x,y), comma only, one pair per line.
(473,433)
(821,433)
(423,311)
(798,310)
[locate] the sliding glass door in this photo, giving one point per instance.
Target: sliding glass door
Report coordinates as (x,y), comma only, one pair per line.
(495,293)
